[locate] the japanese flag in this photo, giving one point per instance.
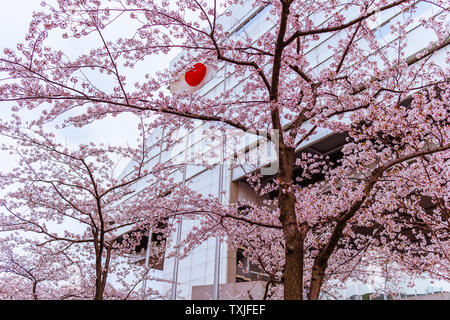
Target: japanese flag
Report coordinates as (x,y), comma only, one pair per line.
(194,78)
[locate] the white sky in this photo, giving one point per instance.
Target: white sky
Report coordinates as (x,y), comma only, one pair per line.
(14,20)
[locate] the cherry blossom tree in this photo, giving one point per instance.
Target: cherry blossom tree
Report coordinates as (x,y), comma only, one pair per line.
(369,206)
(67,207)
(33,274)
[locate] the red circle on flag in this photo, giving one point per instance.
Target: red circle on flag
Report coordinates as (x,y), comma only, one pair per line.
(195,75)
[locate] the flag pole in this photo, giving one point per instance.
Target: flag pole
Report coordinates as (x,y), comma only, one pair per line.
(217,253)
(218,242)
(149,239)
(173,295)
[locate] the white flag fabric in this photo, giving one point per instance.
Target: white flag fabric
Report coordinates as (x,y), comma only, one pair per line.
(194,78)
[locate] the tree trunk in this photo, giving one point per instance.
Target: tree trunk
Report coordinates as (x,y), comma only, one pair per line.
(102,274)
(99,288)
(318,273)
(35,297)
(293,270)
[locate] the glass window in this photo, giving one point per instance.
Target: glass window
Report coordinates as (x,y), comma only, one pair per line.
(246,270)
